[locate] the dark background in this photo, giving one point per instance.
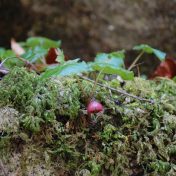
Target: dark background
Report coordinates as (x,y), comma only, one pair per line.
(90,26)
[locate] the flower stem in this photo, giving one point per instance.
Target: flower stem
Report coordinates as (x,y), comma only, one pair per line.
(135,61)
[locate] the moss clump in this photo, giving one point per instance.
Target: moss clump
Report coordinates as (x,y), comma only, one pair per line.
(68,97)
(36,100)
(131,137)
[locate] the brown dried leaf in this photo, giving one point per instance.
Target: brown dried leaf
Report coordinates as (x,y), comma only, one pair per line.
(18,50)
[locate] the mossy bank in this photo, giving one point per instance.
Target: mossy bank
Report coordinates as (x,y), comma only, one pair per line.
(45,129)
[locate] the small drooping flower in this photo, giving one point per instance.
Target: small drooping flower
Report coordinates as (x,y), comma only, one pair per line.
(94,107)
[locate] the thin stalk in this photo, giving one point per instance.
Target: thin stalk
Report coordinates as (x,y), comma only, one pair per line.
(28,63)
(136,60)
(95,83)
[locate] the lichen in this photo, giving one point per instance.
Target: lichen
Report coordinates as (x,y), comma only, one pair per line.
(9,120)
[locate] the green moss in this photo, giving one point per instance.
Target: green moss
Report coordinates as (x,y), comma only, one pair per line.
(36,100)
(68,97)
(130,137)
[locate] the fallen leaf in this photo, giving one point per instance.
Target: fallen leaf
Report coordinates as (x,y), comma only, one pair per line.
(18,50)
(167,69)
(51,56)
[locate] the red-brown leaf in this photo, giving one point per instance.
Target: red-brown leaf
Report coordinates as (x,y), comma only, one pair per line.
(166,69)
(51,56)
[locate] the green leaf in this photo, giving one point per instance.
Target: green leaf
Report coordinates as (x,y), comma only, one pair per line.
(70,69)
(35,54)
(144,47)
(114,58)
(11,58)
(149,50)
(159,54)
(6,53)
(42,42)
(66,69)
(118,54)
(110,69)
(112,63)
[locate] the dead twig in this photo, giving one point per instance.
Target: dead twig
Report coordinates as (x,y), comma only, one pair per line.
(135,61)
(28,64)
(118,90)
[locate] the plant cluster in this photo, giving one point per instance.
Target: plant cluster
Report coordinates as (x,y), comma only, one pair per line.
(127,129)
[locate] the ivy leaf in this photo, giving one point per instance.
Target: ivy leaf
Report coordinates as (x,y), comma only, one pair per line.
(114,58)
(149,50)
(42,42)
(66,69)
(111,69)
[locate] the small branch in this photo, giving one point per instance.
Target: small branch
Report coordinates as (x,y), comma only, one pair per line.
(136,60)
(95,83)
(27,63)
(119,91)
